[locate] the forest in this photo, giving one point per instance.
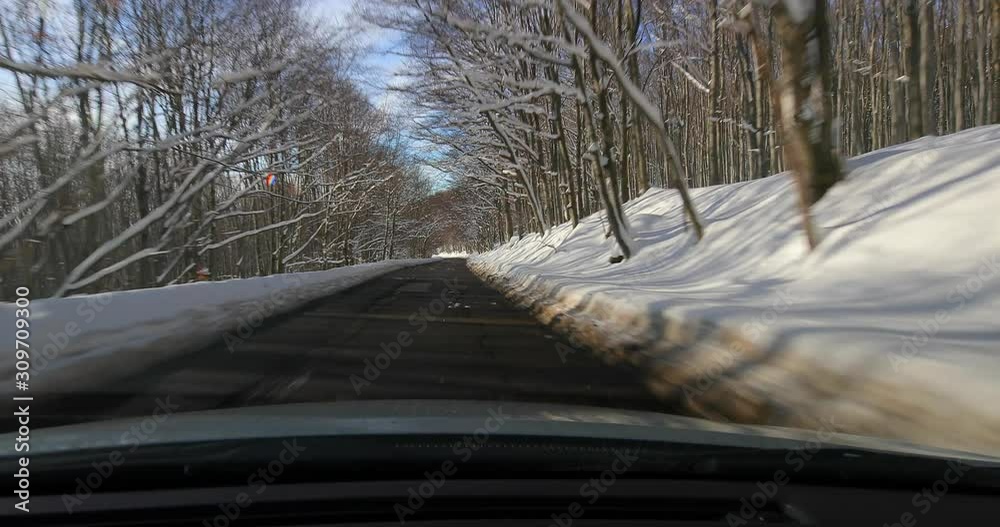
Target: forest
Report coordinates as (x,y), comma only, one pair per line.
(147,143)
(154,142)
(559,109)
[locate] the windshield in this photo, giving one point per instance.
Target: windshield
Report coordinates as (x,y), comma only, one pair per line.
(741,214)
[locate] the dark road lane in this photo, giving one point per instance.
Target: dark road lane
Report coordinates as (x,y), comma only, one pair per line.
(428,332)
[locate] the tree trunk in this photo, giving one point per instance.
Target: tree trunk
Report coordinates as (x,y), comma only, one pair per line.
(911,37)
(897,88)
(981,93)
(714,173)
(959,77)
(927,68)
(808,134)
(995,99)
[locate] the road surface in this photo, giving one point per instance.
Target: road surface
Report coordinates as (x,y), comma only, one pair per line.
(429,332)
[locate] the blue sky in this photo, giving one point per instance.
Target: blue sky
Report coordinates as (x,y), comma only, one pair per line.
(379,67)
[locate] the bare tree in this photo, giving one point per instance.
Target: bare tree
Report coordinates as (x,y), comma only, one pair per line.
(805,98)
(145,133)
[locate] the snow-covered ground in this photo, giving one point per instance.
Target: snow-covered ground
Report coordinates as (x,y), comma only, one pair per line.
(451,254)
(891,327)
(83,341)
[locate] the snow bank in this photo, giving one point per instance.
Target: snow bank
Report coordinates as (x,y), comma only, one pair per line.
(82,341)
(451,254)
(890,328)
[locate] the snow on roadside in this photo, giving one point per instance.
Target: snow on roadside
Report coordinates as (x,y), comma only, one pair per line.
(83,341)
(890,328)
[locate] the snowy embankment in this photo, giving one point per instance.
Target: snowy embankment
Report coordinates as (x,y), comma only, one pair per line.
(891,327)
(81,342)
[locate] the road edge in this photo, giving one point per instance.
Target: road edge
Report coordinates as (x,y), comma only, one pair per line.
(681,358)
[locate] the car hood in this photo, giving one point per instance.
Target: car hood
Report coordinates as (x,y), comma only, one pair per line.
(448,417)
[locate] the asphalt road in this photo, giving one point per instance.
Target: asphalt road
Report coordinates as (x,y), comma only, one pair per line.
(429,332)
